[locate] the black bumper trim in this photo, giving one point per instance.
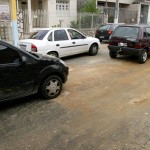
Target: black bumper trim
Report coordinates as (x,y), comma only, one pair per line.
(125,50)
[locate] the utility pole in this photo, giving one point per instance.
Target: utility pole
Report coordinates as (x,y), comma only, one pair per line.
(106,12)
(14,22)
(30,15)
(116,11)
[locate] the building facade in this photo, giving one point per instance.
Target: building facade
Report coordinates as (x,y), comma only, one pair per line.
(54,12)
(143,7)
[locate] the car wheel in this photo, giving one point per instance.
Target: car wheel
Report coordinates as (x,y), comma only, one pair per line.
(51,87)
(112,54)
(54,54)
(143,57)
(93,49)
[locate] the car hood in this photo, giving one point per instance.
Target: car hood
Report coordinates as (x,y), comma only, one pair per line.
(47,58)
(93,39)
(43,57)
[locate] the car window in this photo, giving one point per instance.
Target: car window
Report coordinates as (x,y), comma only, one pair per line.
(147,32)
(50,37)
(131,32)
(75,35)
(8,55)
(39,35)
(104,27)
(60,35)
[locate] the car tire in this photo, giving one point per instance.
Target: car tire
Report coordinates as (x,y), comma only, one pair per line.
(51,87)
(54,54)
(93,50)
(112,54)
(142,57)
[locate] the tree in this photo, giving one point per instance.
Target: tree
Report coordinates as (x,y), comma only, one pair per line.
(90,6)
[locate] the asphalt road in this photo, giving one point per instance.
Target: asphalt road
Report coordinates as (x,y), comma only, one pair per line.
(105,105)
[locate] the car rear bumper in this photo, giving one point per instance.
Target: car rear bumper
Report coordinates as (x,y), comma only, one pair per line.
(105,38)
(125,50)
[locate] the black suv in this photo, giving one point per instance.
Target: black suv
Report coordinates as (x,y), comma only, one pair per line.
(130,40)
(23,73)
(104,31)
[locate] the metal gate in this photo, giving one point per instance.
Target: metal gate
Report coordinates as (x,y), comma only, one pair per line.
(5,21)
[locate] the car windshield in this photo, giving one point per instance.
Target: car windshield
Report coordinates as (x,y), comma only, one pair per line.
(39,35)
(104,27)
(129,32)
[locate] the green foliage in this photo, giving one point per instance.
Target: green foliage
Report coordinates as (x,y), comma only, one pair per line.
(74,24)
(90,6)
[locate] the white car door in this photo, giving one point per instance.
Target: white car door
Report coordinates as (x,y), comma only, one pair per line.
(58,41)
(79,42)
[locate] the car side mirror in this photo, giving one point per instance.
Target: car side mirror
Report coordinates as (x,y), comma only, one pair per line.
(24,60)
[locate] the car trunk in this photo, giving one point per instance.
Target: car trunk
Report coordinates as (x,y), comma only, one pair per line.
(125,36)
(27,44)
(128,42)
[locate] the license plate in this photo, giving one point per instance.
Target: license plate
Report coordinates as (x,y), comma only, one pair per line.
(122,44)
(23,47)
(101,36)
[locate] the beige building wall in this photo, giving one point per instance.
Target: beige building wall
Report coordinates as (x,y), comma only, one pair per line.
(62,18)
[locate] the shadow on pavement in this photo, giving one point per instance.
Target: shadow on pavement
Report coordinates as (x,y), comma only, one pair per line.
(18,102)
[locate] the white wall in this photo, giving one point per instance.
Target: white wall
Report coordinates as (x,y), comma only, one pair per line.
(55,17)
(52,13)
(148,19)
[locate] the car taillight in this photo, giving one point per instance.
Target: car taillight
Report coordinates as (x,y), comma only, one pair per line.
(33,48)
(138,45)
(109,31)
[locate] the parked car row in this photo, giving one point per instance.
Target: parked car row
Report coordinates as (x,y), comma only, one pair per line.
(32,69)
(35,68)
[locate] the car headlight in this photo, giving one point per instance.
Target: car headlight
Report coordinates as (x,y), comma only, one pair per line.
(61,61)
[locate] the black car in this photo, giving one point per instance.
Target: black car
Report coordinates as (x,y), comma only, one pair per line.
(104,31)
(23,73)
(130,40)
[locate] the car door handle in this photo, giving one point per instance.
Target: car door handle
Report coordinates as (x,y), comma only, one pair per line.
(57,45)
(73,42)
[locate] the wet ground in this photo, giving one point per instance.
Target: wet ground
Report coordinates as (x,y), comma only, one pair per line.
(105,105)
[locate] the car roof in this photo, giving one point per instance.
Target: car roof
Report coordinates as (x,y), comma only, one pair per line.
(135,25)
(55,28)
(113,24)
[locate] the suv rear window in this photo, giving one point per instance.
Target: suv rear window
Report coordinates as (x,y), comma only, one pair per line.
(129,32)
(39,35)
(104,27)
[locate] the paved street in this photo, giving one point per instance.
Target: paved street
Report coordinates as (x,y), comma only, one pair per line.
(105,105)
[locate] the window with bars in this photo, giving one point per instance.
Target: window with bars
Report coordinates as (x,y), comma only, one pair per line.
(62,5)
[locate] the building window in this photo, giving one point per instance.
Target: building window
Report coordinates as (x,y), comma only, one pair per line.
(62,5)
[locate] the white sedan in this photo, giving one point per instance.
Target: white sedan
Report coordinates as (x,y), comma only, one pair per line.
(60,42)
